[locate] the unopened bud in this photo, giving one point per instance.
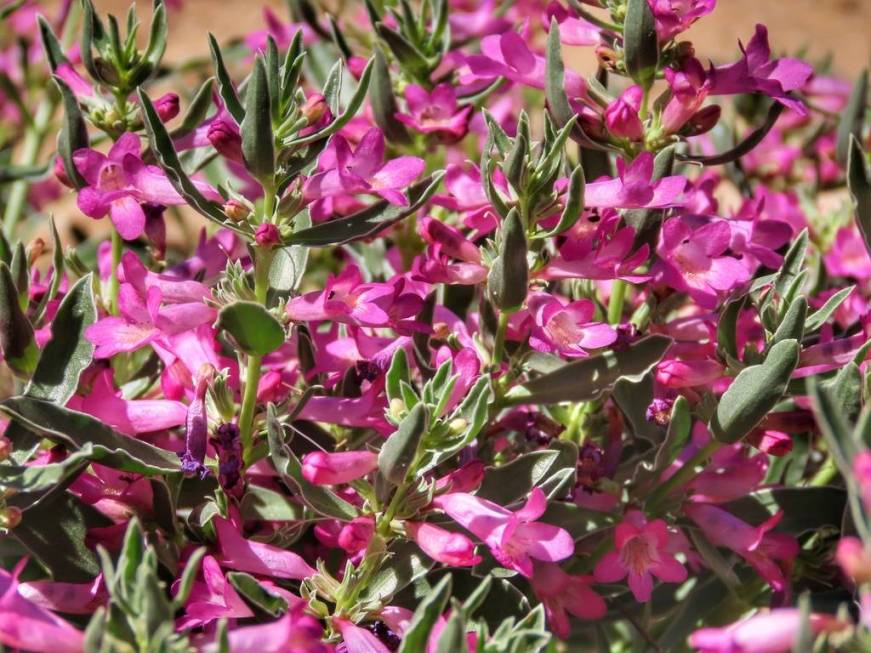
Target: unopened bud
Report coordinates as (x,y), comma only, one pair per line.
(702,121)
(35,250)
(267,235)
(236,211)
(60,172)
(397,407)
(607,57)
(314,108)
(167,106)
(225,138)
(458,425)
(10,517)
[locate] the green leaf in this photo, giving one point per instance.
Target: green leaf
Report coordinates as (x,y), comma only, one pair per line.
(860,187)
(405,565)
(793,264)
(453,636)
(589,378)
(258,143)
(425,616)
(287,268)
(383,101)
(574,205)
(852,118)
(818,318)
(370,221)
(76,431)
(252,326)
(400,450)
(263,504)
(167,159)
(68,353)
(555,89)
(508,279)
(678,434)
(727,327)
(73,133)
(320,499)
(640,43)
(50,45)
(54,534)
(791,327)
(34,483)
(197,109)
(754,392)
(225,84)
(257,595)
(17,340)
(514,480)
(188,576)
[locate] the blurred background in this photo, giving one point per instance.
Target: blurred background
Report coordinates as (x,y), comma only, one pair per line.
(839,28)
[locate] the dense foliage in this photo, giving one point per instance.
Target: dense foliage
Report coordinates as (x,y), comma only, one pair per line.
(394,332)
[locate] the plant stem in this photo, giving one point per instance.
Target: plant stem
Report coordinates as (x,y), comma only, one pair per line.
(114,286)
(615,303)
(499,346)
(682,476)
(825,474)
(33,141)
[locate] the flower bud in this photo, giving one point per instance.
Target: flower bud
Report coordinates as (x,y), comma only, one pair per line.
(621,116)
(197,426)
(266,235)
(702,121)
(454,549)
(314,108)
(355,535)
(229,448)
(10,517)
(61,172)
(167,106)
(35,250)
(322,468)
(236,211)
(225,138)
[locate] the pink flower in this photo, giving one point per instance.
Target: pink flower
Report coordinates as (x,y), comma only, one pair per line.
(854,560)
(197,426)
(212,597)
(342,171)
(691,258)
(356,534)
(119,182)
(514,538)
(454,549)
(764,632)
(446,243)
(566,329)
(862,473)
(769,553)
(572,30)
(257,557)
(435,112)
(676,16)
(508,55)
(634,188)
(345,298)
(561,594)
(267,235)
(756,72)
(642,552)
(323,468)
(689,87)
(26,625)
(848,256)
(358,639)
(295,632)
(621,116)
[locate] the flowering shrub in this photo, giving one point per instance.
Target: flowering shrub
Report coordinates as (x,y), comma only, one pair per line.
(471,353)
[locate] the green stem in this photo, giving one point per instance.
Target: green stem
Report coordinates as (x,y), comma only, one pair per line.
(114,286)
(615,303)
(33,141)
(682,476)
(825,474)
(499,346)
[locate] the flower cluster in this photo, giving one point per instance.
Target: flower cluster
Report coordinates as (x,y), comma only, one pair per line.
(402,334)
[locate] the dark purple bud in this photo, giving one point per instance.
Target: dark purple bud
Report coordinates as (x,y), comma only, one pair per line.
(61,172)
(225,138)
(702,121)
(229,448)
(197,426)
(155,228)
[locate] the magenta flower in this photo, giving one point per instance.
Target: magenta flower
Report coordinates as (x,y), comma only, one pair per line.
(642,552)
(295,632)
(356,534)
(676,16)
(848,256)
(343,171)
(563,594)
(25,625)
(508,55)
(765,632)
(257,557)
(197,426)
(634,188)
(692,258)
(572,30)
(435,112)
(566,329)
(212,597)
(446,243)
(453,549)
(323,468)
(621,116)
(119,182)
(514,538)
(756,72)
(689,87)
(769,553)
